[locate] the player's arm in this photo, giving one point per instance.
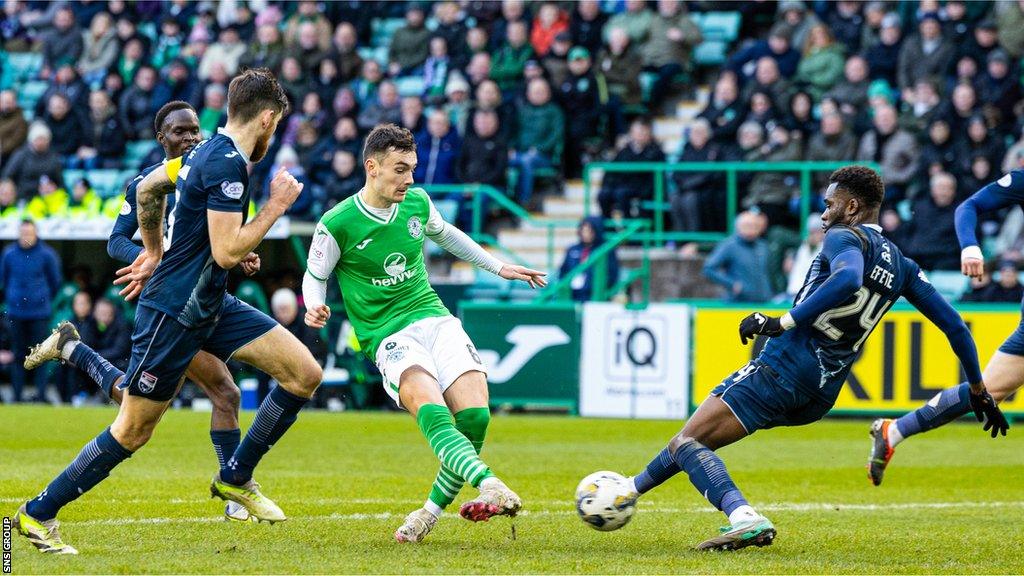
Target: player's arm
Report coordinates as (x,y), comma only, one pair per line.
(1006,191)
(465,248)
(151,200)
(845,254)
(324,254)
(231,241)
(120,246)
(929,302)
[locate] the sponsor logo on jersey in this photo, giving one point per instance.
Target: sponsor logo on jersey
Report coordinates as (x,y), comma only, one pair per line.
(415,227)
(147,382)
(363,244)
(396,354)
(126,208)
(1006,180)
(395,268)
(231,154)
(232,190)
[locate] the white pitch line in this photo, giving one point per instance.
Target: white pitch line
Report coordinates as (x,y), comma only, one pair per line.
(776,507)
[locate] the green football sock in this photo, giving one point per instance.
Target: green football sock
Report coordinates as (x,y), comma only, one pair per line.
(472,423)
(453,449)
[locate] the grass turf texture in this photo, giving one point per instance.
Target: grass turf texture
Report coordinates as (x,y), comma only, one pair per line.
(951,503)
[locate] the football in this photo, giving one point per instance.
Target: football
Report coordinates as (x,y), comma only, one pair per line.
(604,501)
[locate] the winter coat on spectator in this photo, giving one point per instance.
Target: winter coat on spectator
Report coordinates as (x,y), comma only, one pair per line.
(107,137)
(263,56)
(376,114)
(967,149)
(61,47)
(190,90)
(322,24)
(994,292)
(556,67)
(483,160)
(13,131)
(932,239)
(820,70)
(581,99)
(787,61)
(773,189)
(541,38)
(338,187)
(349,63)
(26,166)
(855,94)
(507,66)
(76,92)
(454,35)
(640,184)
(31,278)
(583,285)
(1010,18)
(999,94)
(944,155)
(780,91)
(883,61)
(68,133)
(822,148)
(137,108)
(587,33)
(636,24)
(437,158)
(658,50)
(540,127)
(227,54)
(622,73)
(735,260)
(898,155)
(506,121)
(409,47)
(322,155)
(847,30)
(915,64)
(98,54)
(114,342)
(725,119)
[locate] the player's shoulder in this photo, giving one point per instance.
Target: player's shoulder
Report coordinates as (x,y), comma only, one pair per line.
(1012,181)
(852,236)
(340,215)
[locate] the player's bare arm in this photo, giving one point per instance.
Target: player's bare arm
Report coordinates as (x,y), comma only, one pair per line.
(231,241)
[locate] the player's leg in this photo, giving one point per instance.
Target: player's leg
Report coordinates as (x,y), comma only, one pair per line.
(1003,375)
(215,380)
(64,344)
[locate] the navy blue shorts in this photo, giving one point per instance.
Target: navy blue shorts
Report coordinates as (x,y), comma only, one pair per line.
(237,325)
(1014,344)
(761,399)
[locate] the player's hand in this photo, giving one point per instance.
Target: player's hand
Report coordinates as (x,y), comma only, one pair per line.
(973,267)
(250,264)
(758,323)
(135,275)
(986,410)
(318,316)
(534,278)
(284,188)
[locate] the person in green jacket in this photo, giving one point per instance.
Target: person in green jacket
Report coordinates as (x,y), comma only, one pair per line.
(408,49)
(508,62)
(539,141)
(822,64)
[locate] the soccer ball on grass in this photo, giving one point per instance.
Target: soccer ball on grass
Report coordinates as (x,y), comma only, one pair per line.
(604,501)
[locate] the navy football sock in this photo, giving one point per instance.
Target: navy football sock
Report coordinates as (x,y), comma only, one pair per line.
(277,413)
(708,474)
(99,370)
(225,442)
(657,472)
(943,408)
(92,465)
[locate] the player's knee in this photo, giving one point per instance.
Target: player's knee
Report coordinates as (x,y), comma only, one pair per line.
(226,397)
(133,435)
(309,375)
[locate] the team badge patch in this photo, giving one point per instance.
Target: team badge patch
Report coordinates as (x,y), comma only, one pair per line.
(1006,180)
(126,208)
(415,227)
(395,355)
(147,382)
(232,190)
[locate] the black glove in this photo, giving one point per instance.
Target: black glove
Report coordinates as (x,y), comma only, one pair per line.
(985,410)
(758,323)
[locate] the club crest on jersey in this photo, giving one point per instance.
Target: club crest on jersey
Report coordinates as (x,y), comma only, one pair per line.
(232,190)
(415,227)
(147,382)
(126,208)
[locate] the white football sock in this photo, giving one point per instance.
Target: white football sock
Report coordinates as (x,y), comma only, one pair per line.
(434,509)
(894,434)
(742,513)
(69,346)
(489,482)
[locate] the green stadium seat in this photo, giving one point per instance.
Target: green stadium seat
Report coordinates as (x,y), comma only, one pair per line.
(105,182)
(135,152)
(950,284)
(71,176)
(409,86)
(250,292)
(384,29)
(710,53)
(720,26)
(30,92)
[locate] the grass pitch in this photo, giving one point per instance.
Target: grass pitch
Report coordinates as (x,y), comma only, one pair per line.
(952,502)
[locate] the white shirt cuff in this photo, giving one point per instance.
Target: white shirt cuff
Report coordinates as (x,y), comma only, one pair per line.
(971,252)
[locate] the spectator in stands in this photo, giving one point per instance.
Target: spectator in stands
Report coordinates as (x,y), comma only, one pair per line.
(895,229)
(293,80)
(549,22)
(964,107)
(458,105)
(285,307)
(10,206)
(587,23)
(508,62)
(67,83)
(556,61)
(979,141)
(365,87)
(478,70)
(932,239)
(451,27)
(668,45)
(767,79)
(30,274)
(1010,19)
(539,138)
(436,69)
(62,44)
(344,180)
(591,237)
(956,23)
(845,21)
(998,89)
(343,51)
(437,151)
(227,50)
(799,119)
(511,11)
(214,111)
(739,263)
(412,114)
(325,81)
(408,49)
(925,54)
(620,190)
(13,126)
(620,64)
(51,200)
(636,20)
(984,40)
(762,110)
(113,334)
(33,161)
(778,47)
(83,202)
(922,106)
(833,143)
(801,21)
(288,159)
(308,12)
(580,97)
(699,201)
(770,192)
(99,49)
(483,157)
(1014,158)
(980,174)
(385,109)
(894,149)
(488,97)
(71,381)
(344,136)
(169,44)
(266,50)
(799,263)
(138,105)
(311,112)
(724,110)
(308,50)
(851,92)
(103,143)
(1007,289)
(478,42)
(132,57)
(883,58)
(822,63)
(179,84)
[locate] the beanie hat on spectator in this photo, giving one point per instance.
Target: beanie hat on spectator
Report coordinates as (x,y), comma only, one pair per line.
(988,24)
(787,5)
(892,20)
(929,16)
(881,88)
(781,30)
(39,130)
(999,55)
(578,53)
(456,83)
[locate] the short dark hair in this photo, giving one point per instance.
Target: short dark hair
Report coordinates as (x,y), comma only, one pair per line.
(862,183)
(166,110)
(385,137)
(254,91)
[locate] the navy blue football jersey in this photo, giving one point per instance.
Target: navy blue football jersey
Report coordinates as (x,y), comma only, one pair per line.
(188,284)
(121,245)
(817,354)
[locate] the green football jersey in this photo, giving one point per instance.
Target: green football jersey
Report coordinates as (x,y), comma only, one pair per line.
(379,265)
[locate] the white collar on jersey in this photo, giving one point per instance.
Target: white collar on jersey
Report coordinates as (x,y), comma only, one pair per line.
(874,227)
(378,215)
(235,142)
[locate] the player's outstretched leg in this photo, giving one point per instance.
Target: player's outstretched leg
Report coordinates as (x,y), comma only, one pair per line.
(472,423)
(64,344)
